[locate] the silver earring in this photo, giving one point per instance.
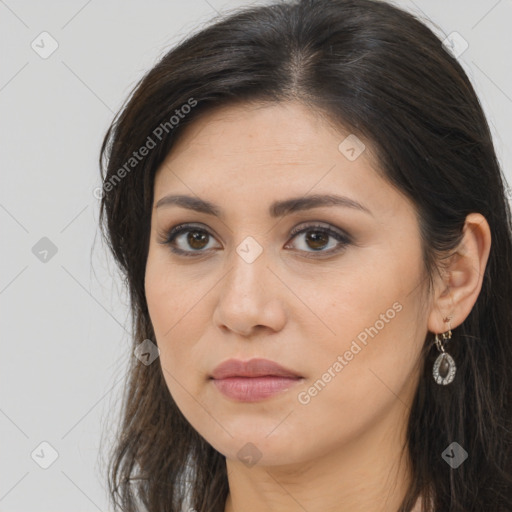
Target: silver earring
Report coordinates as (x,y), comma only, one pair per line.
(444,366)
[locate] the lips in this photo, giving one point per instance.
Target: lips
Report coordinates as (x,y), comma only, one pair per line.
(253,380)
(252,368)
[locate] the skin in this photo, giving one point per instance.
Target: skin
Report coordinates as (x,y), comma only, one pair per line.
(341,451)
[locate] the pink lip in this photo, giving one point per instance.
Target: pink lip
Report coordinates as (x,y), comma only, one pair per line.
(252,380)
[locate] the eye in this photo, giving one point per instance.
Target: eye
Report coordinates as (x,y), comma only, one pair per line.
(191,240)
(197,238)
(317,238)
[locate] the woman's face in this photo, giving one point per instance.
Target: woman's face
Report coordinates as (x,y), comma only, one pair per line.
(331,291)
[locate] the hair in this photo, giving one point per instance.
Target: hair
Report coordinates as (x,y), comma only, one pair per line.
(375,70)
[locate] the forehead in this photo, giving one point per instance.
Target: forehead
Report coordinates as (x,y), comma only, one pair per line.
(285,128)
(264,150)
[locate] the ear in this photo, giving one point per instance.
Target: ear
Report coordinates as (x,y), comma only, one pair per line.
(457,290)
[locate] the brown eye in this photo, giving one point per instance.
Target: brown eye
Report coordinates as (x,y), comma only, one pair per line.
(317,239)
(188,240)
(196,239)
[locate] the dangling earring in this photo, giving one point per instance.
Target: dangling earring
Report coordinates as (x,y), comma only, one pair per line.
(444,367)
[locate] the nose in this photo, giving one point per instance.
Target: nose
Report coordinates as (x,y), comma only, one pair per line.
(250,298)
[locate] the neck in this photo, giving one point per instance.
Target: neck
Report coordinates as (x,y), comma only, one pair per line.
(370,473)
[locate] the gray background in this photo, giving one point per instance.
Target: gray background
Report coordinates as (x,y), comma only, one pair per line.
(65,326)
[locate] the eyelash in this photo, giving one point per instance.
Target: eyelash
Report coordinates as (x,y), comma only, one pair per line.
(343,239)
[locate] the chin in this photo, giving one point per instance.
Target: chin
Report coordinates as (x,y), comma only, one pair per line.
(259,448)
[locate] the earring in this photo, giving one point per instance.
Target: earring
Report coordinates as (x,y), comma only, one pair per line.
(444,366)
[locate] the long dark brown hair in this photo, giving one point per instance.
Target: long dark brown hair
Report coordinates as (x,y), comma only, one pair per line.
(379,71)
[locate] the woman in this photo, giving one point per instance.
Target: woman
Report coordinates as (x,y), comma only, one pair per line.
(306,204)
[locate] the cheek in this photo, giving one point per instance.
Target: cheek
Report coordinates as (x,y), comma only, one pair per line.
(371,317)
(368,369)
(175,309)
(168,294)
(167,311)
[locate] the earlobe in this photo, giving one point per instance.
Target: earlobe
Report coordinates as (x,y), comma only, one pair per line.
(458,290)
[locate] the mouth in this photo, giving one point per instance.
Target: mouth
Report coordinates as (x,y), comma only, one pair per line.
(253,380)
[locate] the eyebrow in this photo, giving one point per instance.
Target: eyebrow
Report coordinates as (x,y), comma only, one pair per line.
(277,208)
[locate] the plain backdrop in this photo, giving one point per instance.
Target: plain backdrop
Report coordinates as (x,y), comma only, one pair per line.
(65,331)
